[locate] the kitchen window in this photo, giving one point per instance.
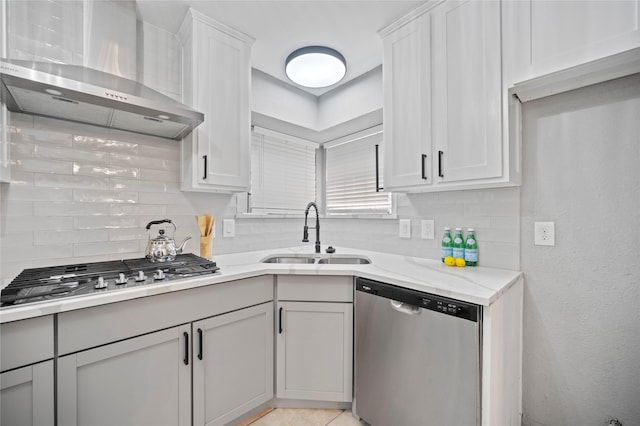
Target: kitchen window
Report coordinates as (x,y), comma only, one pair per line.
(354,175)
(283,173)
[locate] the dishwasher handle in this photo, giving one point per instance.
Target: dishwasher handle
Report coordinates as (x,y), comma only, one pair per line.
(405,308)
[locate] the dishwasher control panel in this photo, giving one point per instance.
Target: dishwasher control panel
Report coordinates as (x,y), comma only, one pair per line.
(445,305)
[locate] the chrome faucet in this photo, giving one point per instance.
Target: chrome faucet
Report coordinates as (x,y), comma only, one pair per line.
(305,234)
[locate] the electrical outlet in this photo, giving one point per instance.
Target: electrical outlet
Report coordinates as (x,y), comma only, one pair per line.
(544,233)
(228,228)
(404,228)
(427,228)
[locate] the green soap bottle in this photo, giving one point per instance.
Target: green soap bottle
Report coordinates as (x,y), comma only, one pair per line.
(471,248)
(447,244)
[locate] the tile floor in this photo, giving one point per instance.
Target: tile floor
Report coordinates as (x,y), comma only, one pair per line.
(303,417)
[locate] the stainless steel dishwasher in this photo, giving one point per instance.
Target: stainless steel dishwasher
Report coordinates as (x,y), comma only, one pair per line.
(418,357)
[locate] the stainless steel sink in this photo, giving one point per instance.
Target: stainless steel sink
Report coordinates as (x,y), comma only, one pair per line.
(317,258)
(345,260)
(289,259)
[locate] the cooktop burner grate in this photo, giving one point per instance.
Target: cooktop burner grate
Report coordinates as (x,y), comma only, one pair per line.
(38,284)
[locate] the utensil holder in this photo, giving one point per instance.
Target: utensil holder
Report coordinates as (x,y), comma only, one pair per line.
(206,246)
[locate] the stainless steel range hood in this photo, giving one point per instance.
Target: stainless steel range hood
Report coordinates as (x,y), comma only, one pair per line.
(89,96)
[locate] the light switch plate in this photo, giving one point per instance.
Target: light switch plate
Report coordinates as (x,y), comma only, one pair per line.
(544,233)
(228,228)
(427,229)
(404,230)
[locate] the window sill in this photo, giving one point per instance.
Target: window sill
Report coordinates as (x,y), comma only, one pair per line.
(301,216)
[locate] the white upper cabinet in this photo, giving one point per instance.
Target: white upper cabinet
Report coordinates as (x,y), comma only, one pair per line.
(216,80)
(444,104)
(407,109)
(467,94)
(542,37)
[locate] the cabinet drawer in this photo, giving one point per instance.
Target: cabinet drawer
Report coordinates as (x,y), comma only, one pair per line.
(87,328)
(315,288)
(26,342)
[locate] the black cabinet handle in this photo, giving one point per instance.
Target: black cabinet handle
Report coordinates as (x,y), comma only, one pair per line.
(378,188)
(280,321)
(440,153)
(186,348)
(424,167)
(200,344)
(204,157)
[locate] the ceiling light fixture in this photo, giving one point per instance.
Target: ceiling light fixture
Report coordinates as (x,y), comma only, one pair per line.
(315,66)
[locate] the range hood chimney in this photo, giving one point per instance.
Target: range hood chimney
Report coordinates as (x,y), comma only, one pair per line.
(99,97)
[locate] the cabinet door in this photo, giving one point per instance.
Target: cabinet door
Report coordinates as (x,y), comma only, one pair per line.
(233,364)
(26,396)
(145,380)
(218,79)
(467,91)
(315,351)
(407,105)
(542,37)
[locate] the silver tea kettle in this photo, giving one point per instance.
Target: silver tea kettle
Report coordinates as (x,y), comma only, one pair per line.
(163,248)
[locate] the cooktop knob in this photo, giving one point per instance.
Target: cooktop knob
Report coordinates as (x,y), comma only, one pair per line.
(121,279)
(101,283)
(159,275)
(141,276)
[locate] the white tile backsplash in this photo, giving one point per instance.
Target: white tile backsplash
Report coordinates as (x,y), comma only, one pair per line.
(47,237)
(109,171)
(104,144)
(105,222)
(159,175)
(18,224)
(141,185)
(51,139)
(70,154)
(39,254)
(105,248)
(66,181)
(136,209)
(42,166)
(69,209)
(18,208)
(104,196)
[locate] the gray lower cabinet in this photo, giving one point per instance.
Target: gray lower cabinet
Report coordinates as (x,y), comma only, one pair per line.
(26,396)
(232,364)
(26,372)
(315,351)
(147,380)
(315,338)
(144,380)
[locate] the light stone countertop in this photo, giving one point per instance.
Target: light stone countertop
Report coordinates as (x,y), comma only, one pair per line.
(478,285)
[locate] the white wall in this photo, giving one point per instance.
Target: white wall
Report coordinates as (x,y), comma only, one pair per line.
(581,334)
(354,99)
(272,98)
(275,99)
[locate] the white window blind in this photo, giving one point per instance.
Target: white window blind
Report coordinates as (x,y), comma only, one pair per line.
(283,173)
(351,175)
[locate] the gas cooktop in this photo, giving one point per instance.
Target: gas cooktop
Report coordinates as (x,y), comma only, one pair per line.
(55,282)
